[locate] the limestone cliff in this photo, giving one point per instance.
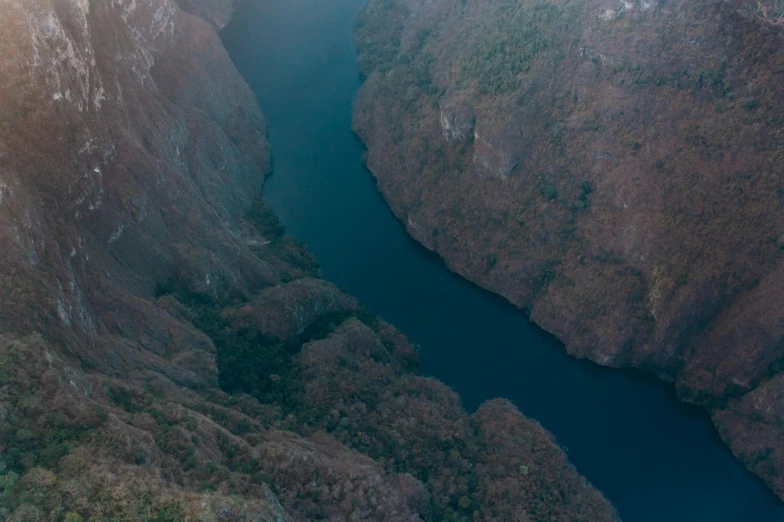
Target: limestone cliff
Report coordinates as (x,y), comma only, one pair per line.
(128,143)
(612,167)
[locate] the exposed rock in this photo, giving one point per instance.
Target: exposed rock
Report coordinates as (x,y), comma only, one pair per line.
(129,142)
(498,148)
(458,120)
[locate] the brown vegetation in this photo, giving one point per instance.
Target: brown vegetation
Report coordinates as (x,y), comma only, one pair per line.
(612,167)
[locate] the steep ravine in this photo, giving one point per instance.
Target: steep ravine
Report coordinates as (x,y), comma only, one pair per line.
(653,457)
(612,167)
(167,353)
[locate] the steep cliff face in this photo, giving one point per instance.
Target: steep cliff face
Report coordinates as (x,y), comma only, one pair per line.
(128,142)
(614,168)
(166,352)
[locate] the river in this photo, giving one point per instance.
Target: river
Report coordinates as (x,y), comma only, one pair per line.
(656,459)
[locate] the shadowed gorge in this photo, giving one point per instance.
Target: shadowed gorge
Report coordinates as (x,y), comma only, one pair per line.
(655,459)
(167,353)
(172,351)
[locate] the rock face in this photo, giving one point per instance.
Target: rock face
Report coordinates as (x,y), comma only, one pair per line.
(140,271)
(127,144)
(613,168)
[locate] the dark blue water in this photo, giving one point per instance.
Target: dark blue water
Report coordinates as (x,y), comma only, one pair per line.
(657,460)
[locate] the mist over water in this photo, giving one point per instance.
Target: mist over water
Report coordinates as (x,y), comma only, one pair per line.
(656,459)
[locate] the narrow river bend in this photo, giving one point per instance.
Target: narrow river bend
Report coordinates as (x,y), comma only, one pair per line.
(656,459)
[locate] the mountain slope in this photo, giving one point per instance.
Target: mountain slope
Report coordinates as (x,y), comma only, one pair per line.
(613,168)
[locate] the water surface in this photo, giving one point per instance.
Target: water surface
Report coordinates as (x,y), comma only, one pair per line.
(657,460)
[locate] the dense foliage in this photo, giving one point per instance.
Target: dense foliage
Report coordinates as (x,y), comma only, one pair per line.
(347,373)
(614,168)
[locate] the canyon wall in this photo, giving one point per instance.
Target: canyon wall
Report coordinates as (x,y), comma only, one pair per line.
(614,168)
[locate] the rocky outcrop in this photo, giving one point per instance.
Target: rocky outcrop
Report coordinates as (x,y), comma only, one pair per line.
(622,180)
(129,143)
(166,353)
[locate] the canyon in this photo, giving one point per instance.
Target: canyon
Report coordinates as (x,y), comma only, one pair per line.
(167,352)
